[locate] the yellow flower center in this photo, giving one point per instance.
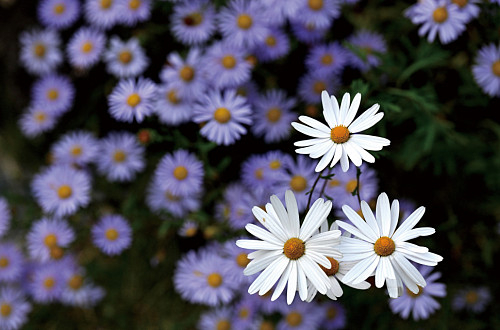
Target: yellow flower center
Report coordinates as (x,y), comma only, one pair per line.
(87,47)
(351,185)
(214,280)
(228,62)
(222,115)
(244,21)
(274,114)
(75,282)
(440,15)
(180,173)
(5,309)
(171,197)
(298,183)
(50,240)
(191,231)
(134,4)
(271,41)
(52,94)
(193,19)
(339,134)
(460,3)
(242,260)
(39,50)
(266,325)
(315,4)
(119,156)
(244,312)
(223,325)
(384,246)
(64,191)
(111,234)
(133,99)
(59,9)
(76,150)
(331,313)
(275,164)
(40,116)
(415,295)
(259,173)
(105,4)
(187,73)
(125,56)
(56,252)
(319,86)
(471,297)
(496,68)
(4,262)
(334,183)
(294,319)
(172,97)
(49,282)
(334,268)
(294,248)
(327,59)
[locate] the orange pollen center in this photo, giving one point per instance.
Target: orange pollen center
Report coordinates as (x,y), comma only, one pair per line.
(319,86)
(214,280)
(222,115)
(133,100)
(119,156)
(298,183)
(5,309)
(415,295)
(351,185)
(87,47)
(266,325)
(134,4)
(228,62)
(334,183)
(125,56)
(271,41)
(59,9)
(56,252)
(111,234)
(50,240)
(49,282)
(273,115)
(172,97)
(327,59)
(105,4)
(384,246)
(242,260)
(259,173)
(460,3)
(339,134)
(64,191)
(4,262)
(440,15)
(180,173)
(190,232)
(40,116)
(193,19)
(315,4)
(187,73)
(76,151)
(294,248)
(294,319)
(496,68)
(275,164)
(244,21)
(171,197)
(75,282)
(223,325)
(39,50)
(244,313)
(334,268)
(471,297)
(52,94)
(331,313)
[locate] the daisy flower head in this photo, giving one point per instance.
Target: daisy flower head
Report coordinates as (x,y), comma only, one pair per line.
(439,17)
(338,140)
(422,304)
(487,70)
(381,249)
(85,47)
(61,189)
(308,33)
(125,58)
(112,234)
(47,282)
(252,171)
(245,312)
(273,116)
(469,8)
(120,157)
(312,84)
(80,292)
(334,315)
(223,114)
(299,316)
(219,318)
(188,229)
(131,100)
(58,14)
(370,44)
(40,53)
(170,108)
(14,308)
(234,209)
(472,299)
(321,13)
(133,11)
(275,45)
(102,14)
(225,66)
(160,199)
(53,93)
(288,252)
(47,235)
(78,147)
(36,120)
(330,58)
(5,216)
(193,22)
(11,262)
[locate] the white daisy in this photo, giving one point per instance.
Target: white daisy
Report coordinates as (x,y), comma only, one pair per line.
(382,250)
(338,140)
(288,252)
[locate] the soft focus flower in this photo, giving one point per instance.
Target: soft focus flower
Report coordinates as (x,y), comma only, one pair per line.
(170,108)
(487,69)
(58,14)
(161,199)
(474,299)
(11,262)
(334,315)
(328,58)
(14,308)
(47,282)
(102,14)
(193,22)
(133,11)
(275,45)
(112,234)
(54,93)
(299,316)
(132,100)
(40,53)
(78,147)
(85,47)
(125,58)
(219,318)
(5,216)
(321,13)
(46,235)
(370,44)
(312,84)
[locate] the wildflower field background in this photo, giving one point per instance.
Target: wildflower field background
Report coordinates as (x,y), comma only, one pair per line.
(442,121)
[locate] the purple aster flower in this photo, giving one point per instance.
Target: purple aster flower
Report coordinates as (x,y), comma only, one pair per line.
(276,162)
(308,33)
(54,93)
(273,116)
(487,70)
(438,17)
(369,43)
(85,47)
(46,234)
(112,234)
(238,258)
(235,208)
(299,315)
(80,293)
(61,189)
(131,99)
(278,11)
(334,315)
(5,216)
(252,171)
(473,299)
(47,281)
(219,318)
(125,58)
(321,13)
(133,11)
(188,229)
(40,53)
(58,14)
(121,156)
(469,8)
(160,199)
(422,304)
(330,58)
(170,108)
(11,262)
(204,277)
(78,147)
(181,173)
(36,120)
(193,22)
(224,114)
(275,45)
(242,23)
(245,312)
(102,14)
(14,308)
(313,83)
(225,66)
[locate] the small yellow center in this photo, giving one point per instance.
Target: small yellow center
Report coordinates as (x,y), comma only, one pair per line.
(222,115)
(133,100)
(56,252)
(351,185)
(191,231)
(339,134)
(87,47)
(49,282)
(75,282)
(244,312)
(119,156)
(496,68)
(76,150)
(460,3)
(186,73)
(334,183)
(134,4)
(271,41)
(171,197)
(471,297)
(172,97)
(440,15)
(244,21)
(40,116)
(274,114)
(180,173)
(5,309)
(228,62)
(294,319)
(331,313)
(384,246)
(214,280)
(415,295)
(315,4)
(4,262)
(242,260)
(125,56)
(298,183)
(319,86)
(59,9)
(327,59)
(193,19)
(294,248)
(39,50)
(52,94)
(105,4)
(266,325)
(111,234)
(223,325)
(50,240)
(334,268)
(64,191)
(275,164)
(259,173)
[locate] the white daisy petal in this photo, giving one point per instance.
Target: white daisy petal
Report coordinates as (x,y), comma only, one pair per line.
(256,265)
(293,213)
(357,256)
(360,223)
(292,283)
(384,216)
(336,109)
(310,131)
(369,142)
(337,155)
(352,153)
(355,231)
(325,160)
(360,286)
(394,216)
(282,282)
(274,273)
(344,163)
(328,109)
(316,275)
(423,231)
(256,245)
(318,258)
(344,106)
(357,127)
(365,155)
(310,142)
(362,269)
(411,247)
(409,269)
(302,283)
(353,109)
(315,124)
(314,220)
(263,234)
(380,273)
(370,218)
(269,222)
(281,212)
(410,222)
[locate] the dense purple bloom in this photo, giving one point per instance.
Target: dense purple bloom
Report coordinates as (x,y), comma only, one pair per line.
(40,53)
(193,22)
(487,69)
(112,234)
(369,44)
(11,262)
(14,308)
(54,93)
(58,14)
(47,234)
